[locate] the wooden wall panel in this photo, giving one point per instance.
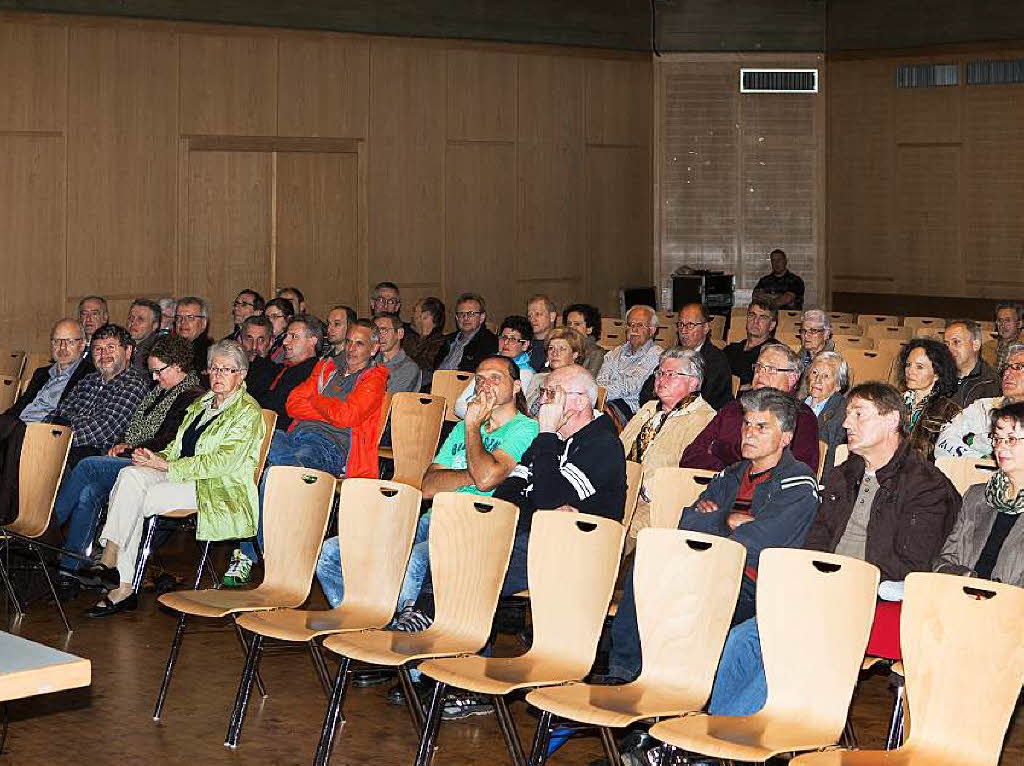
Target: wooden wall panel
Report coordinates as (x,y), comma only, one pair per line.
(406,163)
(34,66)
(228,84)
(481,96)
(32,201)
(619,102)
(551,99)
(318,227)
(926,115)
(335,101)
(122,161)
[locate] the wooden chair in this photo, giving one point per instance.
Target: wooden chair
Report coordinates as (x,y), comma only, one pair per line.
(960,698)
(9,391)
(686,584)
(602,398)
(612,325)
(573,561)
(416,421)
(470,543)
(929,332)
(450,384)
(844,343)
(11,363)
(965,472)
(609,340)
(672,490)
(842,453)
(33,362)
(173,521)
(934,323)
(988,326)
(296,506)
(790,316)
(788,339)
(376,526)
(634,483)
(812,656)
(868,365)
(868,320)
(44,453)
(738,329)
(717,333)
(735,385)
(847,328)
(889,332)
(840,317)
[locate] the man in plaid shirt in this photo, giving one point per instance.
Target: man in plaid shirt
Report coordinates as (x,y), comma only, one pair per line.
(100,406)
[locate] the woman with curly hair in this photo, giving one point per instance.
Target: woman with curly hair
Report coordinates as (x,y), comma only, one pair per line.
(927,377)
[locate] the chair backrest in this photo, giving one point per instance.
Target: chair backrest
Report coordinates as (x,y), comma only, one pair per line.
(296,506)
(850,328)
(470,544)
(269,424)
(673,489)
(33,362)
(718,328)
(686,584)
(842,453)
(735,385)
(872,319)
(790,316)
(612,325)
(738,329)
(11,363)
(602,398)
(930,332)
(936,323)
(964,663)
(385,415)
(634,481)
(987,326)
(844,343)
(44,452)
(376,526)
(814,651)
(840,317)
(450,384)
(611,340)
(891,346)
(965,472)
(822,454)
(868,365)
(572,564)
(884,331)
(416,421)
(9,390)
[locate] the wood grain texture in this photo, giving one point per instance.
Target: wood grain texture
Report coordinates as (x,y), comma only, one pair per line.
(481,96)
(323,86)
(34,65)
(619,102)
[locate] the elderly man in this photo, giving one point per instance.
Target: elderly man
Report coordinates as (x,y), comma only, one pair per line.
(762,318)
(542,313)
(338,320)
(966,435)
(783,288)
(167,306)
(815,336)
(92,314)
(247,303)
(1010,330)
(975,379)
(720,444)
(692,327)
(662,428)
(144,326)
(256,335)
(50,385)
(403,373)
(626,367)
(190,322)
(466,348)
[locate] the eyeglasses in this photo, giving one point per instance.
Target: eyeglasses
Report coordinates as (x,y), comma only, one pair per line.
(689,325)
(65,342)
(813,331)
(549,393)
(387,301)
(672,374)
(91,313)
(638,326)
(1009,441)
(509,338)
(278,315)
(1016,367)
(767,368)
(156,373)
(467,314)
(239,304)
(188,317)
(223,371)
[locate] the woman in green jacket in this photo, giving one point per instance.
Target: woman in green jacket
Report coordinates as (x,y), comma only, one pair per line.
(210,465)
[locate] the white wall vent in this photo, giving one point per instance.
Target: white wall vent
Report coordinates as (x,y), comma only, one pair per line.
(778,81)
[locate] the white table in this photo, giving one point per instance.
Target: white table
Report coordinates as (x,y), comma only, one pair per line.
(28,668)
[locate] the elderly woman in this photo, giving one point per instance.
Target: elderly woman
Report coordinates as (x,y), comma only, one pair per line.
(153,425)
(927,376)
(565,346)
(823,390)
(209,466)
(815,335)
(661,429)
(586,320)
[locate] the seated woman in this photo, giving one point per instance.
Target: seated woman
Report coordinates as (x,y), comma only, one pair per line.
(209,466)
(586,320)
(514,338)
(565,347)
(927,376)
(84,492)
(824,390)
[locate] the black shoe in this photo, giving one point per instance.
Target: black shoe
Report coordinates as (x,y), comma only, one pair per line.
(396,694)
(68,588)
(372,677)
(107,608)
(95,576)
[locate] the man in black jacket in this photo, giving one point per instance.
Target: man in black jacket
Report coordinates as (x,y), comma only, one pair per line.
(473,342)
(270,383)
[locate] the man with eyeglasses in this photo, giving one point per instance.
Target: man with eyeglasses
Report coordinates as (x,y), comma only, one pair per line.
(966,435)
(92,314)
(386,298)
(472,342)
(626,367)
(247,303)
(762,319)
(815,335)
(190,323)
(514,337)
(51,384)
(692,328)
(720,444)
(143,325)
(403,372)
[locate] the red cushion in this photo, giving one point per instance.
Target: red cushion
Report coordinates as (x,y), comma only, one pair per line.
(885,631)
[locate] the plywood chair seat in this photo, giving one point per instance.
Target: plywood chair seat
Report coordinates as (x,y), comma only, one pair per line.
(301,625)
(747,738)
(616,706)
(393,648)
(218,602)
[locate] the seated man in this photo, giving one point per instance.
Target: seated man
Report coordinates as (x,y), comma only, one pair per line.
(781,286)
(403,373)
(294,296)
(428,323)
(270,383)
(338,320)
(719,445)
(92,315)
(191,323)
(144,326)
(542,314)
(247,303)
(658,433)
(974,378)
(1009,329)
(51,385)
(966,435)
(466,348)
(256,335)
(336,414)
(514,338)
(886,505)
(762,319)
(767,500)
(626,367)
(693,325)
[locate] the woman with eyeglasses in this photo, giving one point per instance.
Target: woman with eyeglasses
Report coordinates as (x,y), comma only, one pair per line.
(210,465)
(927,376)
(279,311)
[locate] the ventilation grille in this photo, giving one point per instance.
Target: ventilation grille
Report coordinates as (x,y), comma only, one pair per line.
(778,81)
(927,75)
(995,72)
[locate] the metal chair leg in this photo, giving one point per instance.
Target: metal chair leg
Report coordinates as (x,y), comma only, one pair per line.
(208,560)
(541,740)
(252,660)
(53,589)
(412,699)
(611,748)
(317,654)
(895,737)
(508,730)
(171,660)
(849,736)
(332,715)
(428,735)
(245,652)
(143,560)
(9,587)
(202,563)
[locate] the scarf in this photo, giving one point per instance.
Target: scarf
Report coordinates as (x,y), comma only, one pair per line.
(995,495)
(914,409)
(650,431)
(153,409)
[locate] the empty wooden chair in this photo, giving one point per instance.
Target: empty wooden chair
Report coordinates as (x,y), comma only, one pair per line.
(11,363)
(935,323)
(738,329)
(929,332)
(686,584)
(573,561)
(610,340)
(868,365)
(847,328)
(840,317)
(612,325)
(672,490)
(867,320)
(812,656)
(450,384)
(790,316)
(965,472)
(717,334)
(960,698)
(988,327)
(44,453)
(889,332)
(9,391)
(844,343)
(296,505)
(470,545)
(416,421)
(376,525)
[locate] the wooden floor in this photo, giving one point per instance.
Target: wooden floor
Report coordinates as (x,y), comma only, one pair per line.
(111,722)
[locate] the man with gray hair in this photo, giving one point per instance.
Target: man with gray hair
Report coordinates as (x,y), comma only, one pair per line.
(815,335)
(191,323)
(51,384)
(975,379)
(1009,330)
(626,367)
(92,314)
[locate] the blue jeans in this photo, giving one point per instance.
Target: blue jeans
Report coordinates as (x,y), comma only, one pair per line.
(81,498)
(297,448)
(740,685)
(328,571)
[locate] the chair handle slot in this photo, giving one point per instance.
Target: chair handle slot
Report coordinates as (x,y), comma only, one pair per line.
(698,545)
(483,507)
(826,566)
(586,526)
(979,593)
(425,400)
(309,478)
(388,491)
